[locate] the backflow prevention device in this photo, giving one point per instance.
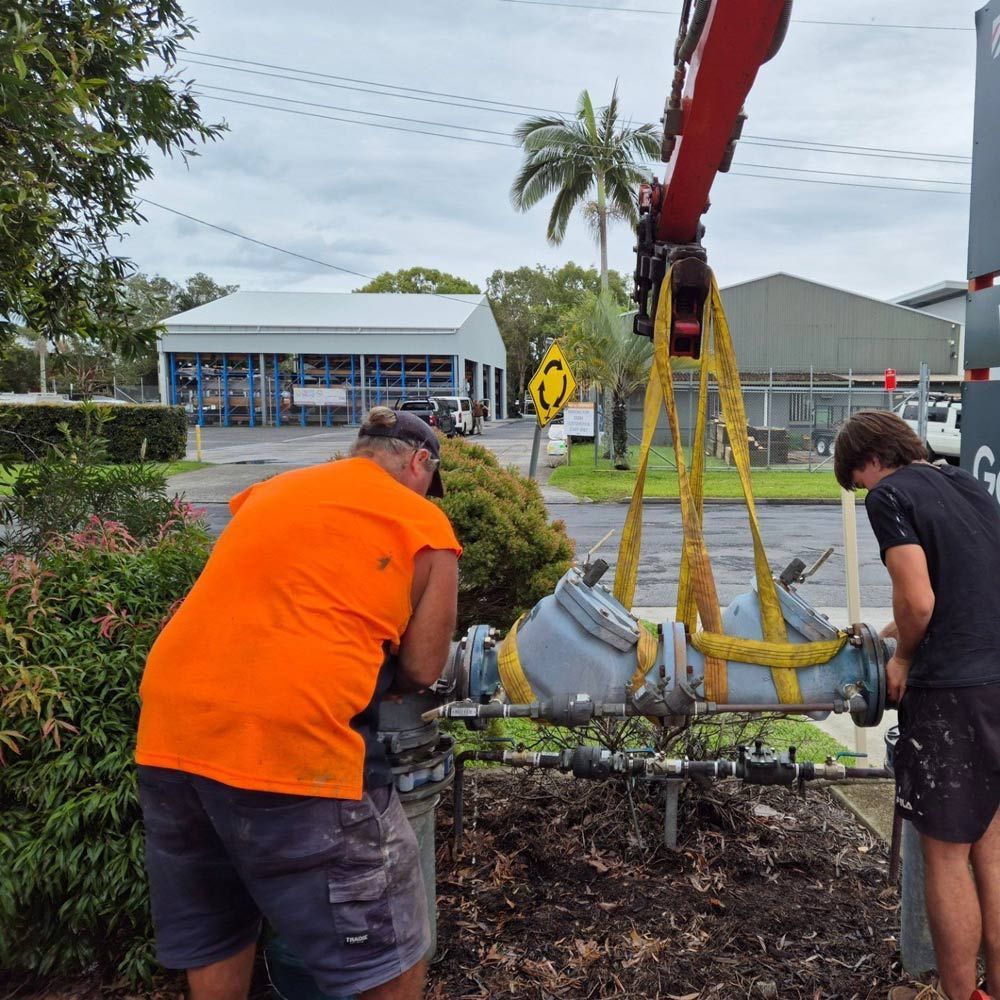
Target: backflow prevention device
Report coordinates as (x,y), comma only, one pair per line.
(580,655)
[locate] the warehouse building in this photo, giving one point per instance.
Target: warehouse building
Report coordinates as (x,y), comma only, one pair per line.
(273,358)
(945,300)
(792,325)
(810,354)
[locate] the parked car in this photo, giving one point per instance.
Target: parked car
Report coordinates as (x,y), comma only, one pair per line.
(944,424)
(460,407)
(432,412)
(944,427)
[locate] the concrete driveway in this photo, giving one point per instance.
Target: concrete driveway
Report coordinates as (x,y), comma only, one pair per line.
(241,456)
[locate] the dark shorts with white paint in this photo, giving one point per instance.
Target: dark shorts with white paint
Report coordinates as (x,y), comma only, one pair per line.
(338,880)
(947,761)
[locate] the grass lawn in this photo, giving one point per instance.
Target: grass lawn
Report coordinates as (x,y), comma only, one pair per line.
(607,483)
(176,468)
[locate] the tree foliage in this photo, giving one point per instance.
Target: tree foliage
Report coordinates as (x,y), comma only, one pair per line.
(81,107)
(18,368)
(532,304)
(420,279)
(603,349)
(155,298)
(591,161)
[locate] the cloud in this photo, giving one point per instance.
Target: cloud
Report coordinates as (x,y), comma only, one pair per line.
(373,199)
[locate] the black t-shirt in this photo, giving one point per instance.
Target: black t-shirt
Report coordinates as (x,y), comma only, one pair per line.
(957,523)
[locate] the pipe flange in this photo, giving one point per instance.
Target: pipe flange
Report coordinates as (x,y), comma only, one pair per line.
(873,655)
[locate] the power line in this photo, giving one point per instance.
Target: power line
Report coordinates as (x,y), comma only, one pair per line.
(890,153)
(928,158)
(796,20)
(354,121)
(486,142)
(355,111)
(872,187)
(360,90)
(843,173)
(375,83)
(250,239)
(290,253)
(875,152)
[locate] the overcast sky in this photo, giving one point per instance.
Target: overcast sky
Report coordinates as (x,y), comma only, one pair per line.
(371,199)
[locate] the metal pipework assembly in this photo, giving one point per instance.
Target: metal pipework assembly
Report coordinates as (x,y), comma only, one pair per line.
(579,654)
(755,765)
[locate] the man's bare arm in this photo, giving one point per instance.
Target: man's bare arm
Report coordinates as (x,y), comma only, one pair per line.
(912,597)
(426,642)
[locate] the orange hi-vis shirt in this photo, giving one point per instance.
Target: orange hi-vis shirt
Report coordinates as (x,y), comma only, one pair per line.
(255,679)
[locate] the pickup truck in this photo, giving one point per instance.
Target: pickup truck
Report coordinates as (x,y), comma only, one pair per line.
(944,424)
(430,412)
(944,427)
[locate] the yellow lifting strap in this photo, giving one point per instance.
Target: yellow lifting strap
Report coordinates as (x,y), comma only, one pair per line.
(697,596)
(511,672)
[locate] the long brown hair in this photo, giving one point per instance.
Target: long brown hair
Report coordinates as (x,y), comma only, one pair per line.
(874,434)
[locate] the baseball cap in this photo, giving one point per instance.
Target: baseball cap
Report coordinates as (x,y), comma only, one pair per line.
(411,429)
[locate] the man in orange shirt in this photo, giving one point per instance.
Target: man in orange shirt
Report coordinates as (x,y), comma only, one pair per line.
(264,789)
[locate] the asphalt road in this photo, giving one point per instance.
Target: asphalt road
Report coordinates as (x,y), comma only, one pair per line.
(244,455)
(789,531)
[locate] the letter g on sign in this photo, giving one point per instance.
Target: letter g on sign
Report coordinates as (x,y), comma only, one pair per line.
(984,468)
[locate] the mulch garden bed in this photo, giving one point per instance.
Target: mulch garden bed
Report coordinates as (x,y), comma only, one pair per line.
(559,892)
(562,891)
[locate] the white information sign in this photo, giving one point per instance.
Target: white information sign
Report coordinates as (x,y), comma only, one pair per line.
(319,395)
(578,419)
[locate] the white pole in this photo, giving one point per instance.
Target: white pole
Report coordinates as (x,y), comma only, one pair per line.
(42,346)
(264,394)
(853,580)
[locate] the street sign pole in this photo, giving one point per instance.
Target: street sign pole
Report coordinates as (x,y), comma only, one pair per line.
(535,444)
(923,392)
(551,388)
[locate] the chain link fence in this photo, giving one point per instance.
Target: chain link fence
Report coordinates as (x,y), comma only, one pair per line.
(789,426)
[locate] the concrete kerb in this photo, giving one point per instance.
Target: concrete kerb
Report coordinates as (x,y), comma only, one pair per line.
(713,501)
(872,802)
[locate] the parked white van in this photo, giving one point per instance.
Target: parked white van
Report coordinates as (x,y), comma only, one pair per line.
(461,409)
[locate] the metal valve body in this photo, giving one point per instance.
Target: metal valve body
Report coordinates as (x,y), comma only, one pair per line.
(577,652)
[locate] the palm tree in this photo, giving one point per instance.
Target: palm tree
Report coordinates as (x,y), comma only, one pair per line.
(603,349)
(587,162)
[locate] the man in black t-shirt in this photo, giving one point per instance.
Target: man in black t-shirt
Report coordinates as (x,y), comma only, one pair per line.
(938,531)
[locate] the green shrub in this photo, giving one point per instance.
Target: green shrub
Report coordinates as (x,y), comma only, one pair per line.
(512,555)
(71,483)
(27,429)
(78,622)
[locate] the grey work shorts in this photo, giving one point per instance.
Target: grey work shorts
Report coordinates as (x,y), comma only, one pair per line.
(338,880)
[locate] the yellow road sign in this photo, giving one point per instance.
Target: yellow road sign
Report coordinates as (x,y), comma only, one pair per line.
(552,385)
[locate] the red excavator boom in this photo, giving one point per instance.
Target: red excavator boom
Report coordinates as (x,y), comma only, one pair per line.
(720,47)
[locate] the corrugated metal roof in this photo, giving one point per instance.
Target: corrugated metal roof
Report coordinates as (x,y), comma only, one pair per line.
(331,311)
(933,294)
(793,324)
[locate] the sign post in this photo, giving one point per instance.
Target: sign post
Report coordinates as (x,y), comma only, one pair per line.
(551,388)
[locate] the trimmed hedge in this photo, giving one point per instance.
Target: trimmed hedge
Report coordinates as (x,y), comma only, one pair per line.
(27,429)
